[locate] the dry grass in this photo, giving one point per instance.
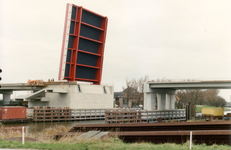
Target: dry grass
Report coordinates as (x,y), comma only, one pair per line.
(47,135)
(54,130)
(70,142)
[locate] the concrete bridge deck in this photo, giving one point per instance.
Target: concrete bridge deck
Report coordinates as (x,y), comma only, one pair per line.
(34,85)
(17,87)
(191,85)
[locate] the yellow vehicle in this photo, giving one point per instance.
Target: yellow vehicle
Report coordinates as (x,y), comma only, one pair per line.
(212,111)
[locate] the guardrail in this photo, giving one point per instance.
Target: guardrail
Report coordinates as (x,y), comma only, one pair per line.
(87,114)
(166,115)
(143,116)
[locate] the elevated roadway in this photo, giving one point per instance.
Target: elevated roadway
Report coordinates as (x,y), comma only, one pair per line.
(33,85)
(162,94)
(191,85)
(18,87)
(8,88)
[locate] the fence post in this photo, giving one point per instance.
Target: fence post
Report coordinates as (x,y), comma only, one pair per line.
(190,139)
(194,110)
(22,135)
(190,111)
(187,114)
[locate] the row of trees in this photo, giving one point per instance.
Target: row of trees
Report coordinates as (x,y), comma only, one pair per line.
(134,90)
(201,97)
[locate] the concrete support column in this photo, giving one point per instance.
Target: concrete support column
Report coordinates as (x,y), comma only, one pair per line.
(172,101)
(163,100)
(150,101)
(6,97)
(167,101)
(153,101)
(159,104)
(149,98)
(145,101)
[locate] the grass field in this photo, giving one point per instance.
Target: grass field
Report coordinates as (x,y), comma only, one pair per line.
(199,108)
(108,143)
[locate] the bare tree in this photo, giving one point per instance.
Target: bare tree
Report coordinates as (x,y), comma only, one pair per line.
(182,94)
(210,96)
(140,90)
(134,90)
(219,102)
(201,97)
(130,89)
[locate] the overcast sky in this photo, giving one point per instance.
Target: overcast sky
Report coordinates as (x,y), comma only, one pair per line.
(180,39)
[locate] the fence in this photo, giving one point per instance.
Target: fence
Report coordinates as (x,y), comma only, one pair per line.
(51,114)
(87,114)
(123,116)
(166,115)
(111,116)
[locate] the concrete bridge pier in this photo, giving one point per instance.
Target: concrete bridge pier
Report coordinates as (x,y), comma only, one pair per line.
(149,98)
(172,101)
(150,101)
(168,101)
(6,97)
(165,98)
